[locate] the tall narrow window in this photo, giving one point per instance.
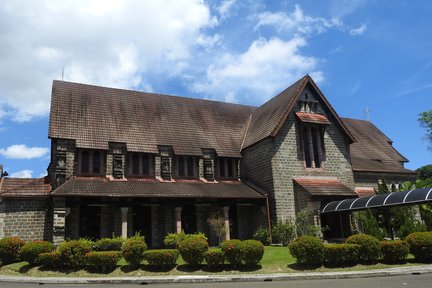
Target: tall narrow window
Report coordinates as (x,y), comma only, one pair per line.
(181,167)
(230,164)
(85,162)
(221,167)
(316,148)
(135,164)
(96,162)
(306,148)
(146,164)
(190,167)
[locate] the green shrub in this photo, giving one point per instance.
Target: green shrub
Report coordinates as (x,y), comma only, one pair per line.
(231,251)
(9,249)
(394,251)
(303,223)
(420,245)
(31,250)
(109,244)
(214,257)
(161,258)
(172,240)
(262,234)
(73,252)
(308,250)
(369,247)
(283,233)
(51,259)
(369,224)
(409,226)
(102,261)
(192,249)
(133,249)
(341,254)
(251,252)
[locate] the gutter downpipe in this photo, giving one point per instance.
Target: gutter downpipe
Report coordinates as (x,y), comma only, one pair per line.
(268,218)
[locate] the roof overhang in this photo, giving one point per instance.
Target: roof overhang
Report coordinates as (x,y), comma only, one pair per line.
(325,187)
(313,118)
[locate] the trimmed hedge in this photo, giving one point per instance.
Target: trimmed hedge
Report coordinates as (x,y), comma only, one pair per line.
(31,250)
(102,261)
(394,251)
(420,245)
(161,258)
(172,240)
(133,249)
(51,259)
(109,244)
(214,257)
(231,251)
(338,255)
(369,247)
(9,249)
(251,252)
(192,250)
(73,252)
(308,250)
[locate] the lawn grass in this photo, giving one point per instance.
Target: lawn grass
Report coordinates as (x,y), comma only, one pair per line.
(275,260)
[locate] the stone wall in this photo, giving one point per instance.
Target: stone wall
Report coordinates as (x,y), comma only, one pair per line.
(371,180)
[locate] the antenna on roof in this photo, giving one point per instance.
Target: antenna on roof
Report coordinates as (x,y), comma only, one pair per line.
(62,73)
(367,113)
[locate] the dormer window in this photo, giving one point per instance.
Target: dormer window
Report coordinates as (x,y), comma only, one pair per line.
(91,162)
(227,167)
(187,166)
(140,164)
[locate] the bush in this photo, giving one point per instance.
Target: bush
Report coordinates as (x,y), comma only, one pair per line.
(369,247)
(161,258)
(192,250)
(394,251)
(262,234)
(109,244)
(231,251)
(214,257)
(251,252)
(409,226)
(341,254)
(420,245)
(308,250)
(133,249)
(369,224)
(303,224)
(172,240)
(283,233)
(9,249)
(31,250)
(102,261)
(73,252)
(51,259)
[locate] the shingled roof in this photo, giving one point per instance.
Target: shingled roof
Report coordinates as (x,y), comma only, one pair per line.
(24,187)
(373,150)
(95,116)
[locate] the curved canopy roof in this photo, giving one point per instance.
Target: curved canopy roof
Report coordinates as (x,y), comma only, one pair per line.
(416,196)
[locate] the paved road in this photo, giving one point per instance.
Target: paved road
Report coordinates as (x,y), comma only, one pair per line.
(418,281)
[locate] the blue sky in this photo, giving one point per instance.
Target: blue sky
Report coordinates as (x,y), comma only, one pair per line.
(363,54)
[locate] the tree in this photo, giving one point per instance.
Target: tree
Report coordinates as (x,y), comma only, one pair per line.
(425,119)
(424,172)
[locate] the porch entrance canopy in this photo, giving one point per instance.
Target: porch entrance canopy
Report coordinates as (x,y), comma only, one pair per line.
(416,196)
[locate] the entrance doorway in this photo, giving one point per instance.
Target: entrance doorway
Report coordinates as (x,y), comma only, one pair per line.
(141,222)
(89,222)
(188,219)
(336,225)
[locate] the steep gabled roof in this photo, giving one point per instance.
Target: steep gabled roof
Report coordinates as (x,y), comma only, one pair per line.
(94,116)
(24,187)
(269,118)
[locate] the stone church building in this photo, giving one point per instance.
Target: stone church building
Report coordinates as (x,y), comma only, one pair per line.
(127,161)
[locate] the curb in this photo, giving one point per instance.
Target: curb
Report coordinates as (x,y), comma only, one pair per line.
(414,270)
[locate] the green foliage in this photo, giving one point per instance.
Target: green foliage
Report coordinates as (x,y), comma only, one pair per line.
(283,232)
(262,234)
(425,119)
(133,249)
(394,251)
(409,226)
(31,250)
(109,244)
(192,249)
(214,257)
(102,261)
(73,252)
(161,258)
(420,245)
(231,251)
(9,249)
(251,252)
(308,250)
(369,225)
(172,240)
(338,255)
(51,259)
(303,224)
(424,172)
(369,247)
(217,225)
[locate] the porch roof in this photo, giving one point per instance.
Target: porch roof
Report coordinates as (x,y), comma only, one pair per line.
(152,188)
(325,187)
(24,187)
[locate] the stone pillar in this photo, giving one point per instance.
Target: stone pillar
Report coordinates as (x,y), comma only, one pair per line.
(225,210)
(124,223)
(178,211)
(59,220)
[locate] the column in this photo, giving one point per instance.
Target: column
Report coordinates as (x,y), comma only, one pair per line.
(225,210)
(124,223)
(178,211)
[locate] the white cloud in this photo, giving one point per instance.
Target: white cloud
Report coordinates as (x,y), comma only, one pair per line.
(112,43)
(22,174)
(254,76)
(225,8)
(21,151)
(359,30)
